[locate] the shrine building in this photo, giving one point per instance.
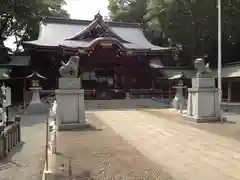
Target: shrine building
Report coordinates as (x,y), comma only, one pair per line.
(116,53)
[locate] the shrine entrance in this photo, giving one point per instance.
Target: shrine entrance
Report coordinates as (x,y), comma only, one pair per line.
(103,71)
(114,56)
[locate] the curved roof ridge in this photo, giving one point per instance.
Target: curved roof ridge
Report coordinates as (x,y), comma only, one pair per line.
(97,21)
(89,44)
(87,22)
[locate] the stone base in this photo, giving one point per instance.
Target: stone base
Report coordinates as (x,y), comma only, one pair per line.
(203,82)
(73,126)
(203,102)
(177,102)
(70,107)
(203,120)
(69,83)
(48,174)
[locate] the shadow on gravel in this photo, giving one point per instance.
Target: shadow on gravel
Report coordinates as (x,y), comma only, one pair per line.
(224,122)
(86,175)
(90,128)
(7,162)
(29,121)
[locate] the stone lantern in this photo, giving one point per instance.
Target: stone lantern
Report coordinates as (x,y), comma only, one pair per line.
(178,101)
(36,106)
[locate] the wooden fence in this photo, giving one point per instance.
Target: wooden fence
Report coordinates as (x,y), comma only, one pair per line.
(10,136)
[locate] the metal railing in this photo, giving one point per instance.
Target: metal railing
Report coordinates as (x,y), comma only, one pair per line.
(10,137)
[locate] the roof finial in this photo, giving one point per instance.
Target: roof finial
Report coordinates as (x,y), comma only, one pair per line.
(98,16)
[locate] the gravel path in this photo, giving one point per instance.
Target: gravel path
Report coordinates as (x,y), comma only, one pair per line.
(26,161)
(187,152)
(230,129)
(101,154)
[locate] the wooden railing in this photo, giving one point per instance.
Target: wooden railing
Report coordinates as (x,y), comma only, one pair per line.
(10,136)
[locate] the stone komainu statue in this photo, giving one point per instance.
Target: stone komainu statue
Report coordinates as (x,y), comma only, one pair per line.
(201,67)
(70,69)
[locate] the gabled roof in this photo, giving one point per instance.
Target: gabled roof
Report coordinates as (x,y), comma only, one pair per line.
(72,33)
(98,23)
(174,73)
(35,76)
(156,63)
(178,76)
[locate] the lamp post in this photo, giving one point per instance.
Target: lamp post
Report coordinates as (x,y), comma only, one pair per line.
(219,50)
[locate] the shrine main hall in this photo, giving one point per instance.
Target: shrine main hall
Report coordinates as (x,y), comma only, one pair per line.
(116,54)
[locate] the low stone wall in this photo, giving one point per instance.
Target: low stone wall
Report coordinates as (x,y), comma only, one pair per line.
(231,107)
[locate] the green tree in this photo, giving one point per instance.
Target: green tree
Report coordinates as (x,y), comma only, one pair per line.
(20,18)
(189,23)
(132,11)
(127,10)
(193,24)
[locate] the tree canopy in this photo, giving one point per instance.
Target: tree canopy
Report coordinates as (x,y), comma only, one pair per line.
(190,23)
(21,18)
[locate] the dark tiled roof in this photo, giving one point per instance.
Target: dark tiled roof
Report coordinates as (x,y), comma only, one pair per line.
(35,75)
(56,32)
(88,44)
(86,22)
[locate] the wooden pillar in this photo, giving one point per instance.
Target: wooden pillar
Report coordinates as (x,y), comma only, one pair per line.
(229,91)
(169,91)
(115,80)
(24,94)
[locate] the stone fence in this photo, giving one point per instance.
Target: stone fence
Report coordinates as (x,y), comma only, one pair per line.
(10,136)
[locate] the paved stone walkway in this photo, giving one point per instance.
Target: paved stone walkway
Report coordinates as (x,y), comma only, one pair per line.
(186,152)
(26,161)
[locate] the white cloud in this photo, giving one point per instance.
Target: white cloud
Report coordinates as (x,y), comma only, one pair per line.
(86,9)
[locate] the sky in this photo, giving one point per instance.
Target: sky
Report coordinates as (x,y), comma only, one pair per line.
(86,9)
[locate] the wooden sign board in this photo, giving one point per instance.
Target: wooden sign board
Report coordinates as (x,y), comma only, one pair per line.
(106,44)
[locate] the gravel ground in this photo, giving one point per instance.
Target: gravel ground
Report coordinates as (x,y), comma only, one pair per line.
(101,154)
(230,128)
(26,161)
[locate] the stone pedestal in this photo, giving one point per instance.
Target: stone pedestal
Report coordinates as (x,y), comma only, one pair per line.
(203,103)
(70,110)
(69,83)
(36,106)
(178,102)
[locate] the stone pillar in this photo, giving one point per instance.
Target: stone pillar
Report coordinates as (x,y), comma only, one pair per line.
(35,96)
(229,91)
(203,103)
(70,111)
(189,104)
(36,106)
(178,102)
